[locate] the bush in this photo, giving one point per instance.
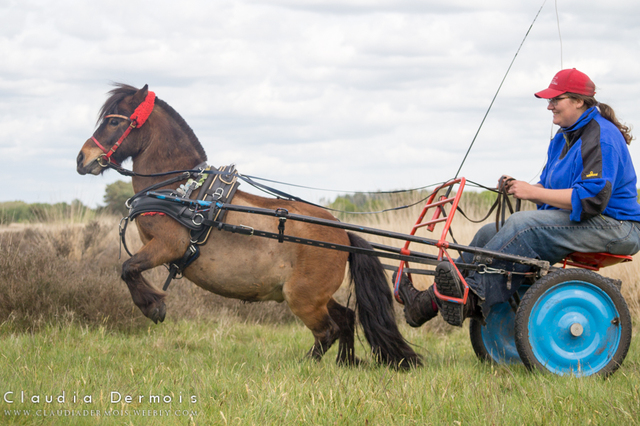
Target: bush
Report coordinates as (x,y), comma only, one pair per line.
(21,212)
(61,273)
(115,197)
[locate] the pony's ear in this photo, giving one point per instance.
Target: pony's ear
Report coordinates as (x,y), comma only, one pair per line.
(140,95)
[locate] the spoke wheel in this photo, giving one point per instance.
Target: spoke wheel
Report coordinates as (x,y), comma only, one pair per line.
(573,322)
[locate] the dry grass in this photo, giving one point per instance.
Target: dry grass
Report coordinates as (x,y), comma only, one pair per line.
(70,272)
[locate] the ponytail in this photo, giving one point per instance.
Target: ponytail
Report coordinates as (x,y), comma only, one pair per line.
(607,112)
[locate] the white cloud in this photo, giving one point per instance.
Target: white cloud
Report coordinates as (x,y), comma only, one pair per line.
(353,95)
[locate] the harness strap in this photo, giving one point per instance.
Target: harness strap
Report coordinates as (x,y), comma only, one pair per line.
(192,253)
(122,231)
(196,215)
(153,187)
(219,187)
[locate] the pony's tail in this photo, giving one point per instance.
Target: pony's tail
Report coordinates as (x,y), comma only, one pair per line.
(375,309)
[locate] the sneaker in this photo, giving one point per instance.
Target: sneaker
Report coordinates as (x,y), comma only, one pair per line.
(419,306)
(449,284)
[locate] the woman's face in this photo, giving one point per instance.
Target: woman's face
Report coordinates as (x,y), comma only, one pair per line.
(566,110)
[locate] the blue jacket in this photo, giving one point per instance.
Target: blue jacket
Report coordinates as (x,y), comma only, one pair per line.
(592,158)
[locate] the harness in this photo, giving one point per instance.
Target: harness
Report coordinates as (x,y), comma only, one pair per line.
(215,187)
(137,119)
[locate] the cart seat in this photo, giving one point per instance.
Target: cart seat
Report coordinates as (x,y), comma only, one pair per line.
(594,261)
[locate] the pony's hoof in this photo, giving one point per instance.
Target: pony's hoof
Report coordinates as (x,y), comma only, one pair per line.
(158,313)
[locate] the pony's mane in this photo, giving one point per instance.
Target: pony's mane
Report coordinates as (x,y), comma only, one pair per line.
(121,91)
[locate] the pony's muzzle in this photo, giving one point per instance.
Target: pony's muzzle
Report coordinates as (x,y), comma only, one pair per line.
(80,164)
(86,165)
(87,160)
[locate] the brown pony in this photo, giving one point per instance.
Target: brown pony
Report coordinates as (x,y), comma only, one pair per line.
(238,266)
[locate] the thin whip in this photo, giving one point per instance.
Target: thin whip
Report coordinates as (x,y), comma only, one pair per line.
(498,91)
(559,36)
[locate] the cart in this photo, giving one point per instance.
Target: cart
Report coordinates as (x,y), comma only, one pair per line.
(567,322)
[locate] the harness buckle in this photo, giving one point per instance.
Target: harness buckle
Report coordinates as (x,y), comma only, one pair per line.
(281,223)
(102,162)
(218,193)
(193,219)
(282,213)
(248,228)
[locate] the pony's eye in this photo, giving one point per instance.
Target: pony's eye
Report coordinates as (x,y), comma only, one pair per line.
(114,122)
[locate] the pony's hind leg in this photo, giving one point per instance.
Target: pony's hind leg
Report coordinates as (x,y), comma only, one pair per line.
(346,319)
(311,307)
(325,334)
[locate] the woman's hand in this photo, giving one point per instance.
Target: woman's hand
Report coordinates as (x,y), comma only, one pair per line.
(522,190)
(560,198)
(502,181)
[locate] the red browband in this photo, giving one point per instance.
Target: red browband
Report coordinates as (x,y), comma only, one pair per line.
(137,119)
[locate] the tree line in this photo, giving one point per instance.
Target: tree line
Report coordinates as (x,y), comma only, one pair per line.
(117,193)
(21,212)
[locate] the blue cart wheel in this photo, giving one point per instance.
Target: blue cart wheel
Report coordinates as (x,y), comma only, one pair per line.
(573,322)
(495,341)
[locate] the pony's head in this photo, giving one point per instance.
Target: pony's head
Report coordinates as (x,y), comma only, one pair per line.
(134,123)
(120,118)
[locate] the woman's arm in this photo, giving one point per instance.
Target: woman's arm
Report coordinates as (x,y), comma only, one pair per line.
(560,198)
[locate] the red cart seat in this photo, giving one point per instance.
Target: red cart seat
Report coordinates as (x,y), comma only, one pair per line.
(594,261)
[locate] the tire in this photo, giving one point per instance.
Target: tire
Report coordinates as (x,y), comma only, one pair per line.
(495,341)
(573,322)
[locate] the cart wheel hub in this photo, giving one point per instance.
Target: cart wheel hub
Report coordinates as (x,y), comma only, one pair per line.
(569,328)
(576,329)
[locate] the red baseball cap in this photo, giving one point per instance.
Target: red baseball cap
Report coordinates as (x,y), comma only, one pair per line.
(568,81)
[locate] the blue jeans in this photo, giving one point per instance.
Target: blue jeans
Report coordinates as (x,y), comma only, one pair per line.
(547,235)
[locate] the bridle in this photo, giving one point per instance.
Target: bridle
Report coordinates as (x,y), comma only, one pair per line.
(137,119)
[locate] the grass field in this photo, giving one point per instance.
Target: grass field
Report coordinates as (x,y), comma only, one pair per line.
(233,372)
(73,349)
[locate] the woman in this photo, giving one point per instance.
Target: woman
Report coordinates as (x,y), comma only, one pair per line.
(586,197)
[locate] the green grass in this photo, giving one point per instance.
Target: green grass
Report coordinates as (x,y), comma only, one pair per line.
(246,373)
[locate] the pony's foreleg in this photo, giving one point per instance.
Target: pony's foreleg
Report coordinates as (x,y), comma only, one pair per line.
(346,319)
(148,298)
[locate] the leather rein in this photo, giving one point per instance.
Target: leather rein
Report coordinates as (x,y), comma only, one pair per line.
(501,205)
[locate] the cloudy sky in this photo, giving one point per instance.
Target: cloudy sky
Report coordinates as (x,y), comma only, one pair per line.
(350,95)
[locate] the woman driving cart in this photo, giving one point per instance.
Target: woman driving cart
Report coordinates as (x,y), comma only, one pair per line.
(586,198)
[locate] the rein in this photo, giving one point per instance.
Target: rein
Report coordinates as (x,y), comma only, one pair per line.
(184,174)
(501,205)
(137,119)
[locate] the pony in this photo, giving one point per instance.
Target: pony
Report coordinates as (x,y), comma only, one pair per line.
(134,124)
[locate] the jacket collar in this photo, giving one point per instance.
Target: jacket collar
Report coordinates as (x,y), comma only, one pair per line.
(586,117)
